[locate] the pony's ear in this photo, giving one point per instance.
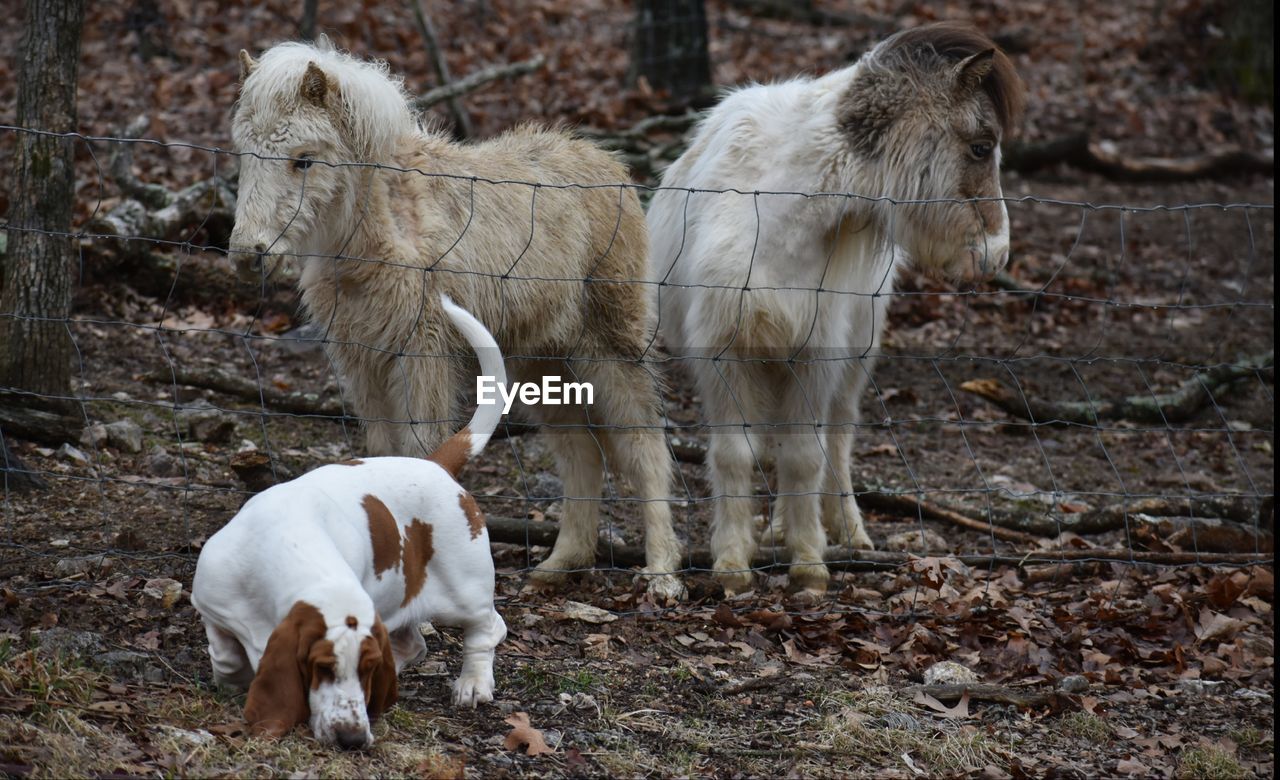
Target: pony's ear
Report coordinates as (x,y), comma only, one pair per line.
(973,70)
(378,671)
(278,695)
(315,85)
(247,64)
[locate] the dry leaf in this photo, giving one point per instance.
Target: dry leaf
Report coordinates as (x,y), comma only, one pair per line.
(574,610)
(961,710)
(524,734)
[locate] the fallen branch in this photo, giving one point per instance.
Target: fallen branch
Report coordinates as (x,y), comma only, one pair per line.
(791,11)
(461,122)
(543,534)
(1079,151)
(473,81)
(249,390)
(36,424)
(1173,407)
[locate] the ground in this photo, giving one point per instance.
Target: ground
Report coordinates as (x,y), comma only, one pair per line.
(102,662)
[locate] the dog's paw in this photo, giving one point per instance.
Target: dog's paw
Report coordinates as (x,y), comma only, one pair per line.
(665,589)
(472,690)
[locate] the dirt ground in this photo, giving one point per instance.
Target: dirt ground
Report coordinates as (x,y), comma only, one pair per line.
(103,667)
(1102,668)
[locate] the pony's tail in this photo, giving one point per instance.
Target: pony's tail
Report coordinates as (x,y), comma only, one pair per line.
(467,443)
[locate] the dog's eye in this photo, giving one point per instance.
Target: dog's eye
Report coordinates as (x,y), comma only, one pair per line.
(303,162)
(981,150)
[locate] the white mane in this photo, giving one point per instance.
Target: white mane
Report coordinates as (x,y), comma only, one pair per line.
(373,110)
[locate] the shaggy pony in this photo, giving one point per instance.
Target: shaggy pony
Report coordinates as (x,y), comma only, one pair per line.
(384,216)
(777,299)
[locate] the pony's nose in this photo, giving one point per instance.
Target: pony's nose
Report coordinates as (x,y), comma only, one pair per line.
(350,738)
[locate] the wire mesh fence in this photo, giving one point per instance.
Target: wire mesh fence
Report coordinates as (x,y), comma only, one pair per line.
(1108,398)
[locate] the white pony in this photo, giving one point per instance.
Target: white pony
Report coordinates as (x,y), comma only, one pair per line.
(777,301)
(534,232)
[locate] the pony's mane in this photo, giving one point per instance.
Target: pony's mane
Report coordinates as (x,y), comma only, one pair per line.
(931,45)
(372,111)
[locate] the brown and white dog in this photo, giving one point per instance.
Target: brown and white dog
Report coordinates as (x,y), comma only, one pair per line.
(312,594)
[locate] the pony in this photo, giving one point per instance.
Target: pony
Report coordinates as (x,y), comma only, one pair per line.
(535,232)
(776,240)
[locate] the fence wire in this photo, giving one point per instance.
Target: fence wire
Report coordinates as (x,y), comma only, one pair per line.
(1109,398)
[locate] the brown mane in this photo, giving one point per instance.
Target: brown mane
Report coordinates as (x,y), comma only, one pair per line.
(952,42)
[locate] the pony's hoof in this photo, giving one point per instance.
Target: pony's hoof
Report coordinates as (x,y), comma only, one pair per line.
(861,541)
(665,589)
(734,579)
(809,577)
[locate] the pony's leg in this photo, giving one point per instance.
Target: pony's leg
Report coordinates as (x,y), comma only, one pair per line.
(730,395)
(841,516)
(425,385)
(475,683)
(800,465)
(231,665)
(581,467)
(628,405)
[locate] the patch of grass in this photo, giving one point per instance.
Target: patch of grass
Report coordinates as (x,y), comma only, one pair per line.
(1209,762)
(46,685)
(875,727)
(1085,725)
(532,680)
(581,681)
(1252,737)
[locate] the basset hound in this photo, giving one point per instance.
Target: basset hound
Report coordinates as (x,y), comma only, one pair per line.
(312,594)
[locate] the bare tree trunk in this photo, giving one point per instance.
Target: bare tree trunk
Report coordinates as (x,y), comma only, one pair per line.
(35,346)
(307,27)
(670,46)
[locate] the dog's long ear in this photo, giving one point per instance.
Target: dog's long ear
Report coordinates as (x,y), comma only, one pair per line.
(378,671)
(278,696)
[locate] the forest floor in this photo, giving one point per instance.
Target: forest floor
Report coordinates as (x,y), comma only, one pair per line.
(1112,668)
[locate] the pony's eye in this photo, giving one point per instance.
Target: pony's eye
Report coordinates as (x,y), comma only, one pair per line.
(980,150)
(303,162)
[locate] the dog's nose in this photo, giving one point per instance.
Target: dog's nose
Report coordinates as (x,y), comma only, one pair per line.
(350,738)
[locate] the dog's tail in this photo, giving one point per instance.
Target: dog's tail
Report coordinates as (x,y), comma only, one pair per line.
(468,442)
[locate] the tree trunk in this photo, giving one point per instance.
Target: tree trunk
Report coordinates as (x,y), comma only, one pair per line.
(35,345)
(670,46)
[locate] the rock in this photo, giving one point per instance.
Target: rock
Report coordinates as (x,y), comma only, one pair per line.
(192,738)
(124,435)
(67,452)
(163,588)
(1074,683)
(1201,687)
(130,664)
(914,541)
(161,464)
(93,436)
(203,422)
(85,563)
(545,486)
(66,641)
(949,673)
(255,470)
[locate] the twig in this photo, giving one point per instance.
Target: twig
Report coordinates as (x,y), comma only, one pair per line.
(461,122)
(473,81)
(1173,407)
